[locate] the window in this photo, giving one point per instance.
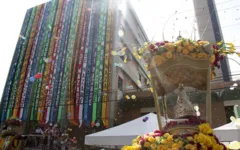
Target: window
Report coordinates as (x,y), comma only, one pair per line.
(120,83)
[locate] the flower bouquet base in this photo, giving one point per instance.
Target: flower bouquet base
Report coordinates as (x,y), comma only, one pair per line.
(189,134)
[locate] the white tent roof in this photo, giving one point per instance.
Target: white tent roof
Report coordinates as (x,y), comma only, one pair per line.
(227,133)
(125,133)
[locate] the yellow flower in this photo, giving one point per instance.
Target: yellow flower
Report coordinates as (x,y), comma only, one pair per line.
(151,133)
(201,55)
(127,148)
(212,58)
(194,55)
(212,75)
(203,42)
(169,46)
(147,144)
(138,138)
(153,145)
(175,145)
(158,139)
(218,147)
(185,44)
(159,60)
(136,146)
(170,138)
(151,139)
(205,128)
(162,147)
(179,49)
(134,141)
(189,138)
(164,141)
(220,43)
(166,134)
(168,54)
(185,51)
(230,44)
(190,48)
(179,43)
(180,143)
(195,45)
(189,146)
(204,140)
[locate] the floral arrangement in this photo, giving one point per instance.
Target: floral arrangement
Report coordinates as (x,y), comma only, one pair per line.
(13,121)
(163,51)
(202,140)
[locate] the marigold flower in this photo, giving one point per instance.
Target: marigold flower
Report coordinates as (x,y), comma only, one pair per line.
(151,139)
(153,145)
(185,51)
(179,49)
(205,128)
(147,144)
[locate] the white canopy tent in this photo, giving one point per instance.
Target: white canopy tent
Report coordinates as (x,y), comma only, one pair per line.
(227,133)
(125,133)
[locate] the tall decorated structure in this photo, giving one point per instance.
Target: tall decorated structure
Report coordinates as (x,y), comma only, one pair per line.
(62,63)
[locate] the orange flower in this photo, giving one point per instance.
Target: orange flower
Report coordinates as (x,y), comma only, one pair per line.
(202,55)
(179,49)
(168,54)
(185,51)
(185,44)
(190,48)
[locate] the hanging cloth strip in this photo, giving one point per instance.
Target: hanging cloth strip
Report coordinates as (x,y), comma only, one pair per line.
(19,65)
(44,52)
(99,66)
(48,114)
(38,47)
(58,52)
(26,60)
(52,56)
(30,63)
(85,60)
(75,59)
(48,60)
(88,59)
(107,76)
(11,74)
(96,10)
(106,80)
(62,58)
(80,63)
(72,35)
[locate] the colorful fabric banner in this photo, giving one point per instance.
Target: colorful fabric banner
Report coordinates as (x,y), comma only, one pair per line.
(57,69)
(99,63)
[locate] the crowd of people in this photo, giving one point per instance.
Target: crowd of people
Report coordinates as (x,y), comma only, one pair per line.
(51,137)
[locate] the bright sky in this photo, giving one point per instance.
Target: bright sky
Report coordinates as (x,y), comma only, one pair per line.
(154,14)
(12,13)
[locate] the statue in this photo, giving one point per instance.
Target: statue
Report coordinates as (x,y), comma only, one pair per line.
(184,107)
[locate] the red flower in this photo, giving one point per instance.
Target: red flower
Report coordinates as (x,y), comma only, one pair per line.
(151,46)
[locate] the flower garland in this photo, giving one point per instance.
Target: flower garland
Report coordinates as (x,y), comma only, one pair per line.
(162,51)
(203,140)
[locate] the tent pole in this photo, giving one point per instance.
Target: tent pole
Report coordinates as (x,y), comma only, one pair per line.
(208,98)
(157,106)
